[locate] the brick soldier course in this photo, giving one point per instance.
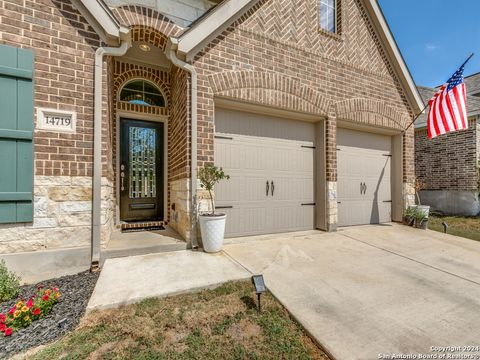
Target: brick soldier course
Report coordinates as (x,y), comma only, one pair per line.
(272,53)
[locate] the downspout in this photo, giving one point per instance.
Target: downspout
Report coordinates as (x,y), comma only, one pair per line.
(171,54)
(97,146)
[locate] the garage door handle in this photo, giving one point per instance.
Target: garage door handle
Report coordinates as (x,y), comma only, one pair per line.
(363,188)
(268,188)
(273,187)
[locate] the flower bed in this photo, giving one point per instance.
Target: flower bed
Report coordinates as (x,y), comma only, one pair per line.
(63,317)
(24,312)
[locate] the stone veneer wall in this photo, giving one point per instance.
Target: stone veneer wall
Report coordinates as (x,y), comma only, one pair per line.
(332,206)
(62,216)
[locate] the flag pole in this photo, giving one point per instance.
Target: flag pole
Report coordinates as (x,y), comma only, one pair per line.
(426,106)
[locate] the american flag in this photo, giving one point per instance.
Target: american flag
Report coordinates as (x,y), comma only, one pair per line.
(448,107)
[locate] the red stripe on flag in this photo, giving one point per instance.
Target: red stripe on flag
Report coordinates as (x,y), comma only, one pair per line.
(438,114)
(443,115)
(460,106)
(451,111)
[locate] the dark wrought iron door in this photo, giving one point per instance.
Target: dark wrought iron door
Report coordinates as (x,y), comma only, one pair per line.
(141,170)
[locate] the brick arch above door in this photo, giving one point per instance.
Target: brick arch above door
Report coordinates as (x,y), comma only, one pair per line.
(270,89)
(125,72)
(370,112)
(144,21)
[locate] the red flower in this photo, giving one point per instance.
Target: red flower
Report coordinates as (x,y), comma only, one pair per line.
(2,318)
(8,331)
(45,297)
(36,311)
(3,327)
(30,303)
(12,310)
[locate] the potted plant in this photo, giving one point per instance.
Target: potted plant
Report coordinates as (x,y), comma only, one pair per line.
(212,225)
(409,215)
(421,220)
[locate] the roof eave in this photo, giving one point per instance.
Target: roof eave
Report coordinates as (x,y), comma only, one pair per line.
(395,55)
(99,16)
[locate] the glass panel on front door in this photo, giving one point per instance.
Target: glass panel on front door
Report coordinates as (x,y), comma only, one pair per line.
(141,170)
(142,176)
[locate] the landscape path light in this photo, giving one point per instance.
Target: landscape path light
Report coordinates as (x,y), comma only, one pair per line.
(260,287)
(445,227)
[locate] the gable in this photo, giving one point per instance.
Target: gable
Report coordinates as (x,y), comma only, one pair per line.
(296,23)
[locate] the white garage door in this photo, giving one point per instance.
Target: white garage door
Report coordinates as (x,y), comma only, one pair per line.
(270,163)
(364,184)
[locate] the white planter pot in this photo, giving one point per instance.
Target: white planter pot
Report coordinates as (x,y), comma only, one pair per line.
(425,209)
(213,232)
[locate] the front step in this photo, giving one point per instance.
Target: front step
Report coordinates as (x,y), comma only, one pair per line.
(118,253)
(142,226)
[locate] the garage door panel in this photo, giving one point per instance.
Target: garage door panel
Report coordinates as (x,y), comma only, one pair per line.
(363,159)
(290,188)
(288,216)
(349,188)
(292,160)
(251,160)
(249,219)
(240,156)
(241,188)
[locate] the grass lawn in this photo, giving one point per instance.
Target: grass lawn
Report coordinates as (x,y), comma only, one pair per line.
(468,227)
(214,324)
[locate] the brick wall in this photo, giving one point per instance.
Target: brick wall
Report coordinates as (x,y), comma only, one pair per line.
(64,46)
(447,162)
(179,127)
(277,39)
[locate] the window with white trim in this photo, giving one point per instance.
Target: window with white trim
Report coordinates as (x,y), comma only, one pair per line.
(328,15)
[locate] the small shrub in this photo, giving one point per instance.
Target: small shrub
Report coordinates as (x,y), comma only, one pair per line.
(420,218)
(209,176)
(9,283)
(409,215)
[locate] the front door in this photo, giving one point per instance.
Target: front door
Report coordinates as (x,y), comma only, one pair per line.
(141,170)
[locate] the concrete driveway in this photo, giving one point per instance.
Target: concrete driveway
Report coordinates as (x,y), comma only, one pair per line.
(373,291)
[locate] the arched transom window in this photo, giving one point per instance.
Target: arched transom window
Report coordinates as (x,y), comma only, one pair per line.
(142,92)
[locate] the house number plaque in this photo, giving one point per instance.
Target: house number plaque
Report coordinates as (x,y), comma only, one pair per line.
(56,120)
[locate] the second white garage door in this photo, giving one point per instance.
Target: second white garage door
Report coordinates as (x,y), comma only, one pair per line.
(270,162)
(364,181)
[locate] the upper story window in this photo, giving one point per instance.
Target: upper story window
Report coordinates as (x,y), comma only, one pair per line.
(328,15)
(142,92)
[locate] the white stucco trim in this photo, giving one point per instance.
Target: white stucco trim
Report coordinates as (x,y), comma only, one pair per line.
(395,55)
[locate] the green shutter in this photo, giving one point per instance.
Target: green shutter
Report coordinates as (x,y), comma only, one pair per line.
(16,135)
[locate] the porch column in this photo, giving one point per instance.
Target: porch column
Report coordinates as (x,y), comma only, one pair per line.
(331,171)
(408,159)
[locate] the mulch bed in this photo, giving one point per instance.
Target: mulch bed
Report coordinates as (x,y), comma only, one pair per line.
(65,315)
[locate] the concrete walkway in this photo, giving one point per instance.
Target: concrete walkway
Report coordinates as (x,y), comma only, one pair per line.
(371,290)
(132,279)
